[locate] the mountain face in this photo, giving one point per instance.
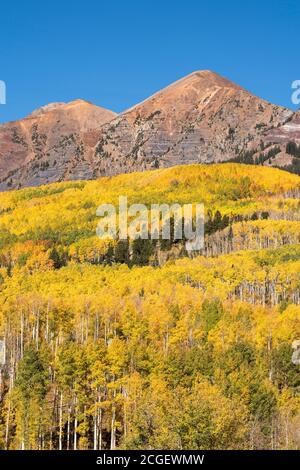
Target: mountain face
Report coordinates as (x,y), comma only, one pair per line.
(280,137)
(202,118)
(50,143)
(289,132)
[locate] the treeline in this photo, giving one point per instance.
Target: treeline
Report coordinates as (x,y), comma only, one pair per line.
(259,157)
(256,157)
(293,149)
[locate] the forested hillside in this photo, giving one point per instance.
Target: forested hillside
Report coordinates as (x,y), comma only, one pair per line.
(136,345)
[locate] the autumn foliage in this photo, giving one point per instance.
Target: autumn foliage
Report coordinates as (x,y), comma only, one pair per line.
(106,350)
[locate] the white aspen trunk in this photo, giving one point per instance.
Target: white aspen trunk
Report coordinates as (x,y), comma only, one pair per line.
(22,336)
(47,325)
(37,331)
(125,414)
(95,432)
(8,411)
(75,426)
(113,424)
(60,420)
(7,426)
(68,429)
(113,433)
(100,429)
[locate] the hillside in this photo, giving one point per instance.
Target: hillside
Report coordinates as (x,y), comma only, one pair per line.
(134,345)
(65,213)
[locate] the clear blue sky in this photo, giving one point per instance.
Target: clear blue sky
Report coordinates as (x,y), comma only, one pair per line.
(116,53)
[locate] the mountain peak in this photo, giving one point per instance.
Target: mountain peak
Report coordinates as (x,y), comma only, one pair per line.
(41,147)
(62,106)
(80,102)
(201,118)
(197,86)
(204,79)
(203,74)
(46,109)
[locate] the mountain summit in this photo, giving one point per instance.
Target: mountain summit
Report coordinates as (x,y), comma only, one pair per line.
(201,118)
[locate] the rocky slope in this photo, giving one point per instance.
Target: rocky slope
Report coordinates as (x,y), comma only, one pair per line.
(279,137)
(50,143)
(288,132)
(202,118)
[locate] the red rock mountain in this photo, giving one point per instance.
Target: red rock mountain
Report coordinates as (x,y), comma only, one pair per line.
(200,118)
(48,144)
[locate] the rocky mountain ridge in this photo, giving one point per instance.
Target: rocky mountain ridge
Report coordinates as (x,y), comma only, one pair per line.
(202,118)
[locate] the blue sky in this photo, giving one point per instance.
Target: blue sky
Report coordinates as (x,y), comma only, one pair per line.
(116,53)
